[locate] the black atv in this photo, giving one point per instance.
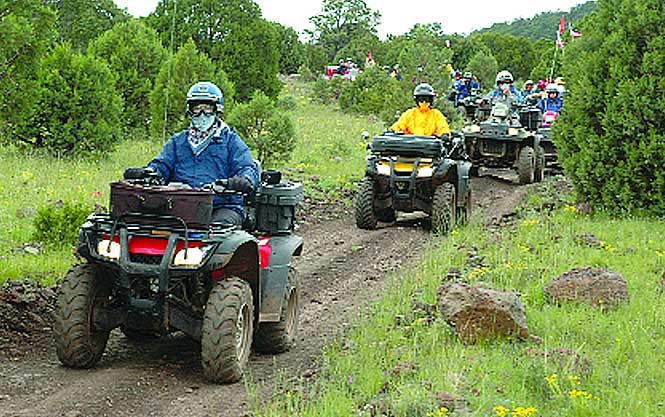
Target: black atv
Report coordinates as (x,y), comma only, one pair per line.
(410,173)
(502,141)
(467,107)
(157,264)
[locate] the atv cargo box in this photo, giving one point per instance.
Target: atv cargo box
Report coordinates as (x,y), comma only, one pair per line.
(194,207)
(407,145)
(276,206)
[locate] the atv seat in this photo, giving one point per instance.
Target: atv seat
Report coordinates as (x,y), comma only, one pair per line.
(407,145)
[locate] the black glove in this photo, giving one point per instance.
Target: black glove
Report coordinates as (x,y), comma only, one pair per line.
(242,184)
(137,173)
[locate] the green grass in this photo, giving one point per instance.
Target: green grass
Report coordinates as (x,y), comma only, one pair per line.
(328,157)
(624,348)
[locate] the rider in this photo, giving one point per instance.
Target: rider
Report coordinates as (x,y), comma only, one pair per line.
(209,150)
(530,93)
(505,92)
(465,86)
(422,120)
(553,102)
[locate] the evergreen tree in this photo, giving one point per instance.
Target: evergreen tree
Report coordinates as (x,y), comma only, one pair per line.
(611,135)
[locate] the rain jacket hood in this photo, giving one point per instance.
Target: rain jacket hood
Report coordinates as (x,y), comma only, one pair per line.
(423,122)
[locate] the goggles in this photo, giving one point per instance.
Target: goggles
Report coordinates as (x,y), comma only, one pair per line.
(196,109)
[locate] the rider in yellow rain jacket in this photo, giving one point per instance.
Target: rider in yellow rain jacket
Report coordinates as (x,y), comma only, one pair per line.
(422,120)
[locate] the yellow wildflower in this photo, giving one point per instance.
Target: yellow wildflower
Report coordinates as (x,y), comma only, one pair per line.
(574,380)
(660,253)
(501,411)
(529,223)
(551,379)
(570,209)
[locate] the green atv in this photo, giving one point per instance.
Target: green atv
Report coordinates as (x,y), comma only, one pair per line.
(410,173)
(502,141)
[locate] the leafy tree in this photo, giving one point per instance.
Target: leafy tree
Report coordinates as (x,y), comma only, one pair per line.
(134,53)
(80,21)
(484,67)
(27,31)
(549,61)
(515,54)
(610,136)
(340,22)
(231,33)
(266,130)
(357,49)
(189,66)
(316,58)
(291,51)
(76,109)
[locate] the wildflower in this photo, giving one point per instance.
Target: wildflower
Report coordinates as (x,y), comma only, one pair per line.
(581,394)
(551,379)
(524,248)
(454,233)
(574,380)
(570,209)
(660,253)
(524,412)
(501,411)
(478,272)
(443,411)
(349,379)
(529,223)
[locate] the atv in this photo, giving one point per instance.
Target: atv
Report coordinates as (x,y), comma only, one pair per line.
(410,173)
(467,107)
(502,141)
(156,264)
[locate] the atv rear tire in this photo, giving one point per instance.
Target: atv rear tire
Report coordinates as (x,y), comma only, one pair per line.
(226,336)
(78,344)
(365,216)
(280,336)
(443,208)
(525,165)
(539,172)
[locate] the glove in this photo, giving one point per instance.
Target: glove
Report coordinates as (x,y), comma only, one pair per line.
(242,184)
(137,173)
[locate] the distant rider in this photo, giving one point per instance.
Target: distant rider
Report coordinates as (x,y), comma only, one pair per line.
(553,101)
(505,92)
(465,87)
(422,120)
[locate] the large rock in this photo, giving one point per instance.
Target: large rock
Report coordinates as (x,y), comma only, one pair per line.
(480,313)
(595,286)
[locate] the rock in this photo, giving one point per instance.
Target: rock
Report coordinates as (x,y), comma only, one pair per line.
(587,239)
(453,402)
(480,313)
(598,287)
(564,358)
(584,209)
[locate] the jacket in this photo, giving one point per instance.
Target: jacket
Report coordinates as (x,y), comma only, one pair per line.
(497,96)
(416,121)
(464,88)
(225,156)
(549,104)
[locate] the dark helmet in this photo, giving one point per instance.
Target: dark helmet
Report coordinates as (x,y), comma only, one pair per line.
(504,76)
(424,92)
(205,92)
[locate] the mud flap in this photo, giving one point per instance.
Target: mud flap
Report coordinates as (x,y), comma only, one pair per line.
(275,276)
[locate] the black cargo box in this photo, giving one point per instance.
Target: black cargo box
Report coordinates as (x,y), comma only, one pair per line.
(194,207)
(407,145)
(276,206)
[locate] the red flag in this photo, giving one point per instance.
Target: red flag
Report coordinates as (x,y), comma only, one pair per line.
(562,25)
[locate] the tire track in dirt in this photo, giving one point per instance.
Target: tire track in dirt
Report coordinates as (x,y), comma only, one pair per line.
(341,271)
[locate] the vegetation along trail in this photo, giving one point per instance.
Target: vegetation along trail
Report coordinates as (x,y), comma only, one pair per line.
(341,271)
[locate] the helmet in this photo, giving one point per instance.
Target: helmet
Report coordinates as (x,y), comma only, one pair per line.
(559,81)
(424,92)
(527,82)
(468,75)
(551,88)
(386,68)
(205,92)
(504,76)
(541,84)
(458,74)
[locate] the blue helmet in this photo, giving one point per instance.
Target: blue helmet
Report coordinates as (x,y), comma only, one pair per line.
(205,92)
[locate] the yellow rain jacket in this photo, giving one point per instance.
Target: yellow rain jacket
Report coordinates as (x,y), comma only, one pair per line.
(422,121)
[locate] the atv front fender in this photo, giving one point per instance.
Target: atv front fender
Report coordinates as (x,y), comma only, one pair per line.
(460,172)
(274,277)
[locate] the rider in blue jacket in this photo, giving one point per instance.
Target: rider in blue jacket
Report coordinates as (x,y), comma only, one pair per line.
(465,86)
(209,150)
(505,92)
(553,102)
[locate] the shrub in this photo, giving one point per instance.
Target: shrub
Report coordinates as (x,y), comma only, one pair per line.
(58,224)
(287,103)
(610,135)
(76,108)
(265,129)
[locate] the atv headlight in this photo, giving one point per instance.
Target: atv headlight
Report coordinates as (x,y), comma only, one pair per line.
(425,172)
(512,131)
(474,128)
(109,249)
(188,257)
(383,169)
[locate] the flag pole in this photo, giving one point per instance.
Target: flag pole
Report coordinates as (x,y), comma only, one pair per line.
(553,62)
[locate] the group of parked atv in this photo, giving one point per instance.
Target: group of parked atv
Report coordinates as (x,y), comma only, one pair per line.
(410,173)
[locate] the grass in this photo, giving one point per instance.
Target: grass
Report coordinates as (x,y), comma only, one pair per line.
(401,359)
(328,158)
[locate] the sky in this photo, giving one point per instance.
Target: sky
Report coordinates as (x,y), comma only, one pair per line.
(397,17)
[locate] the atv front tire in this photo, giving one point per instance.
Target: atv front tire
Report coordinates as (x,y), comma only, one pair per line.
(525,165)
(78,343)
(443,208)
(226,337)
(280,336)
(365,216)
(539,173)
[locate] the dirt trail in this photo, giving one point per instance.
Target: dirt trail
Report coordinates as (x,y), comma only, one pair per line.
(341,271)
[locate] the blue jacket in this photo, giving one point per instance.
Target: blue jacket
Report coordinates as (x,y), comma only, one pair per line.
(225,156)
(548,104)
(463,89)
(497,95)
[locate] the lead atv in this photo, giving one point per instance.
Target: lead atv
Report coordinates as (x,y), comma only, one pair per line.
(157,264)
(502,141)
(410,173)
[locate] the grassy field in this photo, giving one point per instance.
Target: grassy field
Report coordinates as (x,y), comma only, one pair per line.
(329,156)
(403,360)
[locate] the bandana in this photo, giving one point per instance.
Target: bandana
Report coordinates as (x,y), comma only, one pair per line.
(199,140)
